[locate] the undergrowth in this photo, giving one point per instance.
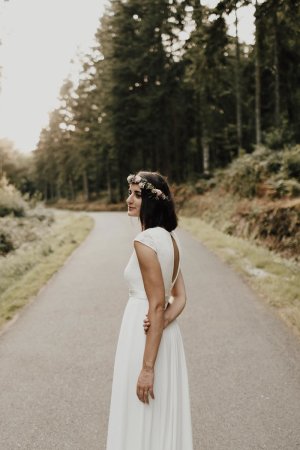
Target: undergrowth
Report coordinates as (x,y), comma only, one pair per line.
(257,197)
(25,269)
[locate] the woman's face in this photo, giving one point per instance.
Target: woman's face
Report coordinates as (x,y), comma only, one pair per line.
(134,200)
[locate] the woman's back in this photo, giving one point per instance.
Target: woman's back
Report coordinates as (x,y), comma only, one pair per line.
(167,248)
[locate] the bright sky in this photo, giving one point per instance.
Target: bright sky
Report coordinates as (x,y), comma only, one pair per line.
(39,38)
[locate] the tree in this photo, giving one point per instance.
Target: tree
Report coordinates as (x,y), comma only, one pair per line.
(257,76)
(227,6)
(137,80)
(166,88)
(208,73)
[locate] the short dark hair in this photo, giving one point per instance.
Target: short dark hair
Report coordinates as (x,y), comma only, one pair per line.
(157,212)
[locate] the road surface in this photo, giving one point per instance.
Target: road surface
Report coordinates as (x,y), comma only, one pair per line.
(56,360)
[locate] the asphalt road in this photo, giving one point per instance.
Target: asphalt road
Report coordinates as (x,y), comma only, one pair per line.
(56,360)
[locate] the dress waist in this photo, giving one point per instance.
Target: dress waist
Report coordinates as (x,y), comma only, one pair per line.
(142,296)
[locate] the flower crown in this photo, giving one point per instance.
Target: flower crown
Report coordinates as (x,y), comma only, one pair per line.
(144,184)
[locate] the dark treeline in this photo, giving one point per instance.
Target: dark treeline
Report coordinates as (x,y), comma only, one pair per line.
(167,88)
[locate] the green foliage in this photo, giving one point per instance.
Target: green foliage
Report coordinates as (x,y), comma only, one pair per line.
(244,174)
(149,98)
(20,232)
(280,71)
(264,172)
(275,224)
(203,185)
(6,244)
(11,200)
(291,163)
(18,167)
(276,137)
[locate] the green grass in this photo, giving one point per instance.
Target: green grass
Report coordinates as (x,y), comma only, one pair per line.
(275,279)
(25,271)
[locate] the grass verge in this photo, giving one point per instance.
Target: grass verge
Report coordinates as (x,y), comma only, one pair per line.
(273,278)
(24,272)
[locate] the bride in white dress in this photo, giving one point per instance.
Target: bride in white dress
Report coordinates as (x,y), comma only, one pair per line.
(150,406)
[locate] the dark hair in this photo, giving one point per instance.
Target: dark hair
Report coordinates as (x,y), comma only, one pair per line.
(157,212)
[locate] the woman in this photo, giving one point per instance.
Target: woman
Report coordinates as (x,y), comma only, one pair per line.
(150,407)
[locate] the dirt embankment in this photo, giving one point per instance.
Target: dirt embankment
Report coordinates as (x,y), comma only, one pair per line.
(257,197)
(273,223)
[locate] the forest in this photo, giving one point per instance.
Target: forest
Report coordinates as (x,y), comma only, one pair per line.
(167,88)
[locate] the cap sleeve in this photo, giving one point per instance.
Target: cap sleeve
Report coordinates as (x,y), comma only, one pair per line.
(146,238)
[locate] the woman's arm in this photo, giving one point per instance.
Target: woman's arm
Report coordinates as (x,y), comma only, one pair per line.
(154,287)
(175,307)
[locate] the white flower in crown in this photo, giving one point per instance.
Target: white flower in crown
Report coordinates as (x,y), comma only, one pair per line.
(144,184)
(130,179)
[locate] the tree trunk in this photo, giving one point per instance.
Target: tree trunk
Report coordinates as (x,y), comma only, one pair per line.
(85,185)
(58,192)
(154,157)
(205,147)
(238,86)
(200,131)
(108,180)
(257,78)
(45,191)
(71,189)
(204,131)
(276,70)
(52,194)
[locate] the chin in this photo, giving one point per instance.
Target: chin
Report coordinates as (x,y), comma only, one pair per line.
(132,213)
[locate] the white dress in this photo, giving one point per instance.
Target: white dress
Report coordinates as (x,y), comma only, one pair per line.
(164,424)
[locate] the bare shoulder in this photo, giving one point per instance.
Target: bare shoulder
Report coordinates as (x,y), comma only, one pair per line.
(146,252)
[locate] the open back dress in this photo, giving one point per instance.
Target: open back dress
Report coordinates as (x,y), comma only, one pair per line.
(164,423)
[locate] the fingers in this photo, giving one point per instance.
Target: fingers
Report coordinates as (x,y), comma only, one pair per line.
(146,396)
(143,394)
(146,324)
(140,394)
(151,392)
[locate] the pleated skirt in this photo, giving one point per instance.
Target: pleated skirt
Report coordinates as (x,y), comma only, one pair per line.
(164,424)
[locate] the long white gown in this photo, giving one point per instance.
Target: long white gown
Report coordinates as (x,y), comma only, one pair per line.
(164,424)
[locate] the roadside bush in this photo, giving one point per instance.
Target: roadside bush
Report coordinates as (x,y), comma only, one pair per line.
(202,185)
(291,163)
(6,244)
(42,214)
(244,174)
(285,188)
(274,163)
(11,200)
(265,172)
(276,137)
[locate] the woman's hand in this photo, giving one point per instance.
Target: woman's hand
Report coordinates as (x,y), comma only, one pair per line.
(145,385)
(147,323)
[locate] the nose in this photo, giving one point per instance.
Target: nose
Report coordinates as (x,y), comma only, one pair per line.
(129,198)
